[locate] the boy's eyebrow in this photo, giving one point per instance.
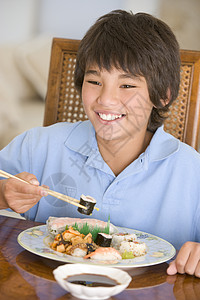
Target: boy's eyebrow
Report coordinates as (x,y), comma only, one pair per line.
(93,72)
(121,76)
(129,75)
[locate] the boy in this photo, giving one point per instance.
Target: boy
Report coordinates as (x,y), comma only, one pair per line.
(128,74)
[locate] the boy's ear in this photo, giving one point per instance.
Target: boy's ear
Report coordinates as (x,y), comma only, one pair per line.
(166,101)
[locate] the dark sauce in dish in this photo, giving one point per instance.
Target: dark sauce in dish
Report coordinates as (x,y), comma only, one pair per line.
(92,280)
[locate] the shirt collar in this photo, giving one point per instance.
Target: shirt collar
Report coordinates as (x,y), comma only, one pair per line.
(82,140)
(162,145)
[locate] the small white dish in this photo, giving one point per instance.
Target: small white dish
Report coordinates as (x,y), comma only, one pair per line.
(64,272)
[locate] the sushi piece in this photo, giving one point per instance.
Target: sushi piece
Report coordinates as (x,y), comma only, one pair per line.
(104,253)
(57,225)
(103,239)
(120,237)
(82,249)
(87,201)
(132,249)
(79,250)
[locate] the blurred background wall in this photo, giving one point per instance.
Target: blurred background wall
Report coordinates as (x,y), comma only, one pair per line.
(26,31)
(22,19)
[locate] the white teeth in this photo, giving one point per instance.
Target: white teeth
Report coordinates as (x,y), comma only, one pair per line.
(109,117)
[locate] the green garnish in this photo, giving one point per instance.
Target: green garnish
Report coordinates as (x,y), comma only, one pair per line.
(85,229)
(127,255)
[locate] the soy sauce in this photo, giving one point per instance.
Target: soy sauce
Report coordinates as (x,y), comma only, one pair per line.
(92,280)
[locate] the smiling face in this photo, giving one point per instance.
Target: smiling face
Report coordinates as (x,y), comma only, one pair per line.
(116,102)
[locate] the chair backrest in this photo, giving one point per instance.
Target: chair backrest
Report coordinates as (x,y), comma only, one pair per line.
(63,102)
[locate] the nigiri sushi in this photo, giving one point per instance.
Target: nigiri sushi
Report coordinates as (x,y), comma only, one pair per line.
(104,253)
(81,250)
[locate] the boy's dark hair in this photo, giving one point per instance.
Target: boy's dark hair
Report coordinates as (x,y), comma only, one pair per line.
(140,44)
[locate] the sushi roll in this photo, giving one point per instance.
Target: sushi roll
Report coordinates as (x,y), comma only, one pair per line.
(89,202)
(103,239)
(104,253)
(132,249)
(120,237)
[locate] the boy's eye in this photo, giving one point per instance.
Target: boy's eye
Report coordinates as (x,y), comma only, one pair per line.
(94,82)
(127,86)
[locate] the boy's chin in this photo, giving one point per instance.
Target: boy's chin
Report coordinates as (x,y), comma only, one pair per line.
(112,138)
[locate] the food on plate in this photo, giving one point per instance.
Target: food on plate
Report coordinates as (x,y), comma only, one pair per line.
(91,241)
(132,249)
(74,243)
(104,253)
(103,239)
(87,201)
(57,225)
(118,238)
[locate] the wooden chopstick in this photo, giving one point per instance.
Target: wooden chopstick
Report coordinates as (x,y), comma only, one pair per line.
(52,193)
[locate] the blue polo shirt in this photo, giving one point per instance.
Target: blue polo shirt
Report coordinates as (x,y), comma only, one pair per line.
(158,193)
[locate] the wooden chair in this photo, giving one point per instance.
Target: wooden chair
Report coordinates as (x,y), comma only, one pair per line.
(63,102)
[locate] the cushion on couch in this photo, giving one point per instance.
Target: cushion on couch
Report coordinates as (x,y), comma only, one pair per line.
(23,83)
(33,58)
(18,84)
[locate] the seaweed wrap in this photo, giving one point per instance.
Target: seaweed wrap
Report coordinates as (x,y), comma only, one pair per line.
(89,202)
(103,239)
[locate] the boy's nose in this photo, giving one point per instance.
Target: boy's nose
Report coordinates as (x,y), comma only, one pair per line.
(107,97)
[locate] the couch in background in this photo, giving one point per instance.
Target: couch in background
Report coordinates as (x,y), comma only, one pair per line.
(23,82)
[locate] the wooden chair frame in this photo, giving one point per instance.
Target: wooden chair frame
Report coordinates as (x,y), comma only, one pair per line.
(192,122)
(59,47)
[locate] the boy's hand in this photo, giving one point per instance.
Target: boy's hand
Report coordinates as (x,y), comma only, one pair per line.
(187,260)
(20,196)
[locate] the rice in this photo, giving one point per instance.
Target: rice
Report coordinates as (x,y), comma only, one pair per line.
(137,249)
(79,252)
(118,238)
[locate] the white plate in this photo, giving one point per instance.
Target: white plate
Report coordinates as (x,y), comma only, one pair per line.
(37,239)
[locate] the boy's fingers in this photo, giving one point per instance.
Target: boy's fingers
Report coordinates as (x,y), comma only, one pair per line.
(29,178)
(172,270)
(25,188)
(44,193)
(187,260)
(183,259)
(45,186)
(34,181)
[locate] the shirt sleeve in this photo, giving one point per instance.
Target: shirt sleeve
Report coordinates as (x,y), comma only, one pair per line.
(16,156)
